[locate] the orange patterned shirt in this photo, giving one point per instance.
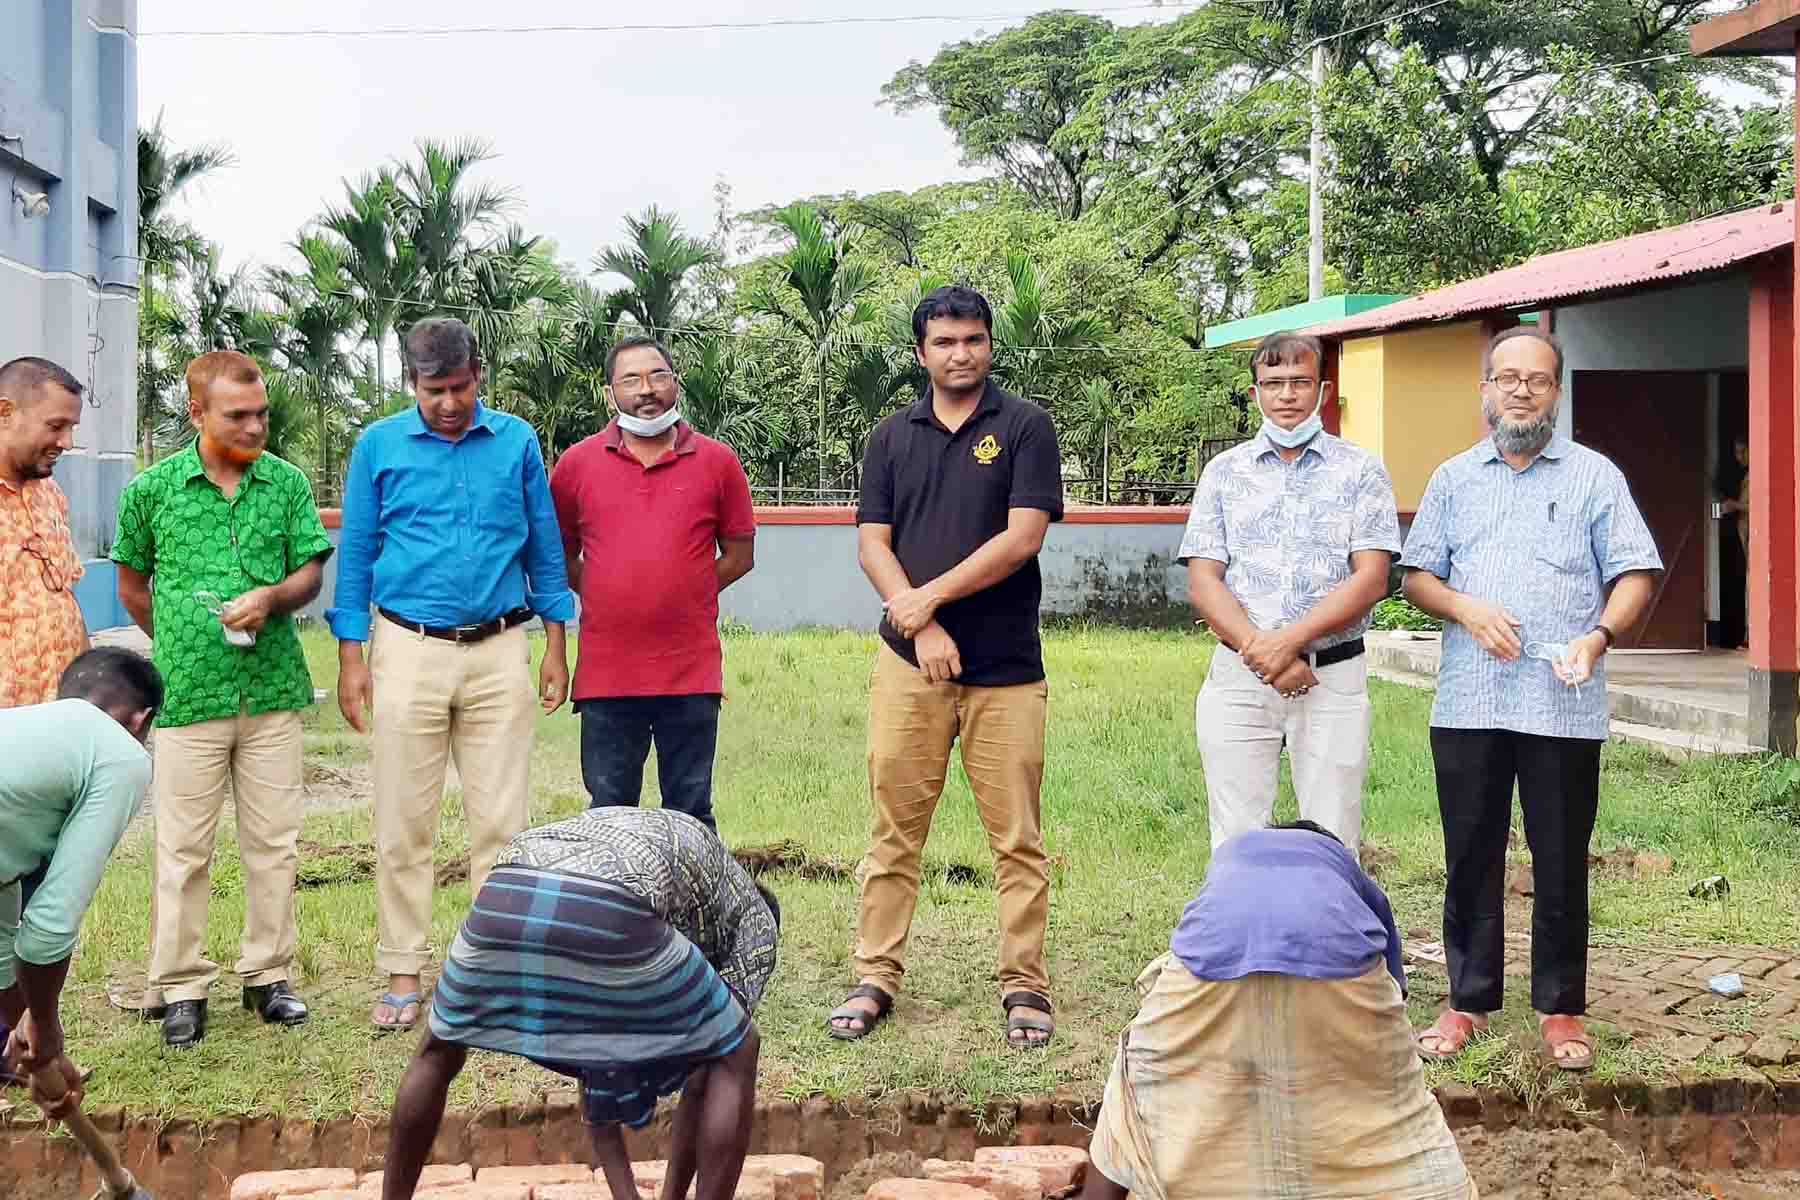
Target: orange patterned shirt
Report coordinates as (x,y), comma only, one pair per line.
(41,630)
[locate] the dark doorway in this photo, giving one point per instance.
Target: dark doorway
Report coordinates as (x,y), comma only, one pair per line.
(1730,631)
(1652,424)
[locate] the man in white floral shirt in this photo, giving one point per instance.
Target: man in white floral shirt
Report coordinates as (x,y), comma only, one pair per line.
(1288,547)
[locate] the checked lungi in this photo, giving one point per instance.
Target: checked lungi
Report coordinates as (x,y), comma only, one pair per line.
(582,977)
(1273,1087)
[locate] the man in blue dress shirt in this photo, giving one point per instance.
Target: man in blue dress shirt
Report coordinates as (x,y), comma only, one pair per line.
(1532,551)
(449,532)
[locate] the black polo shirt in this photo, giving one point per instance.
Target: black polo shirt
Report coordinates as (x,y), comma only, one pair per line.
(945,494)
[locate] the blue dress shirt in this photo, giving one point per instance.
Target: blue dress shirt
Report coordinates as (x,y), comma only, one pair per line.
(447,533)
(1545,542)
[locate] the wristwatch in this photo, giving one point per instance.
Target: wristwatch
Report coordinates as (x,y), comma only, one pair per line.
(1607,633)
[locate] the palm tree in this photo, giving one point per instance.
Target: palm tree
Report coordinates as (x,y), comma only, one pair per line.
(442,214)
(378,262)
(316,316)
(654,265)
(1036,348)
(714,400)
(823,274)
(164,244)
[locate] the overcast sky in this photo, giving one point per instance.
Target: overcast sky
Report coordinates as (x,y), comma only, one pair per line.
(588,126)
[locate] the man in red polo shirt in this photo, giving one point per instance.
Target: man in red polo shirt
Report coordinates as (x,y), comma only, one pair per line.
(656,522)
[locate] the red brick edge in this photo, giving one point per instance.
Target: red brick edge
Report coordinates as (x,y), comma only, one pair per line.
(1724,1123)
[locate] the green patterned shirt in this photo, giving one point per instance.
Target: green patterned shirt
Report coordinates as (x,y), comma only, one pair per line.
(177,527)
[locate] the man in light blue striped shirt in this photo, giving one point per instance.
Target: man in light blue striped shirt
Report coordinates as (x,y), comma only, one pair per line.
(1532,550)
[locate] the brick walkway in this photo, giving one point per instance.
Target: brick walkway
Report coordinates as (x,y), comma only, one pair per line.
(1659,992)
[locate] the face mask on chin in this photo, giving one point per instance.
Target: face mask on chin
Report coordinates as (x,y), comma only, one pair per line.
(1299,435)
(649,426)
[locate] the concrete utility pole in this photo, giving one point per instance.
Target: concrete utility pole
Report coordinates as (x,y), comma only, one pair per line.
(1315,213)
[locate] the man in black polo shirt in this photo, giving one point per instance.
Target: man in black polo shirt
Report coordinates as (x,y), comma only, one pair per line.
(958,490)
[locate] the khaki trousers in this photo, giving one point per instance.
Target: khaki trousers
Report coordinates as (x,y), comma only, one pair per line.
(260,758)
(436,699)
(912,725)
(1242,724)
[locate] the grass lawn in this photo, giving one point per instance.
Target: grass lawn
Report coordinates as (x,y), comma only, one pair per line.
(1125,818)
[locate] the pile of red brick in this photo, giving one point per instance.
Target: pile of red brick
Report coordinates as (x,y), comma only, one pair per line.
(997,1173)
(766,1177)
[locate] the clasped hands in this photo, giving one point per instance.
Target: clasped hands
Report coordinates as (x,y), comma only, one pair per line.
(1273,656)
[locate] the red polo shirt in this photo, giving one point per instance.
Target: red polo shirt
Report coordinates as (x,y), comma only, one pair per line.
(647,537)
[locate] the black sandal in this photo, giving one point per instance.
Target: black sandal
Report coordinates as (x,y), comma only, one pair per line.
(1014,1024)
(849,1012)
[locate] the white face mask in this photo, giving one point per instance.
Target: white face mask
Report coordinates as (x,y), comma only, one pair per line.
(1299,435)
(651,426)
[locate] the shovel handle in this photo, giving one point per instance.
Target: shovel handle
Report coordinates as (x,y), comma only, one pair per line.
(118,1180)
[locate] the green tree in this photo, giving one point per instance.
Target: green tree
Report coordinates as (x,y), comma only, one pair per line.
(316,317)
(379,264)
(1039,352)
(821,294)
(164,246)
(656,264)
(445,217)
(1009,100)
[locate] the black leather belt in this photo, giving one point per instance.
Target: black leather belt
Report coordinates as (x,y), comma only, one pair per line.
(1342,652)
(463,635)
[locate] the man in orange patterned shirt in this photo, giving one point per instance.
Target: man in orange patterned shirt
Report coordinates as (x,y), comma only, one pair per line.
(41,630)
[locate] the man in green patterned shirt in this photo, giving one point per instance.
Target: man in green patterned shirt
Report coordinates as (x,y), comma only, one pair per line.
(224,520)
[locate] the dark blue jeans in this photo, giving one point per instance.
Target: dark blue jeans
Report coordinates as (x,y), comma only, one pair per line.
(615,739)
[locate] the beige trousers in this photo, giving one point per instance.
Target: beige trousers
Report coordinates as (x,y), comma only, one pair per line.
(436,699)
(1242,724)
(260,759)
(912,725)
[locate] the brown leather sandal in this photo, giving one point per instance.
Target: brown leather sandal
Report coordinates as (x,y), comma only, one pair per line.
(1453,1030)
(1559,1031)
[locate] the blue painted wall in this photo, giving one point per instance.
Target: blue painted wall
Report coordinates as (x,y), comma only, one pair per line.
(68,278)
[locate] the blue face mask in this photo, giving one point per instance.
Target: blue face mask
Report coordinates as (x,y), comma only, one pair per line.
(1299,435)
(652,427)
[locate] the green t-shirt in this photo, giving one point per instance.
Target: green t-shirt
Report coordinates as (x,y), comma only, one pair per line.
(73,778)
(178,528)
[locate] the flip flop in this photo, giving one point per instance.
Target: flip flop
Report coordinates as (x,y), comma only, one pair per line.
(1568,1032)
(1027,1025)
(1453,1028)
(849,1012)
(399,1002)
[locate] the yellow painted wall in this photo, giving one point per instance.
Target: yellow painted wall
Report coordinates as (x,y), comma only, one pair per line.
(1431,403)
(1412,399)
(1360,392)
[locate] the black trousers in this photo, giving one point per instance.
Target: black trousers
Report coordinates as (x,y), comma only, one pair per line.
(615,739)
(1559,792)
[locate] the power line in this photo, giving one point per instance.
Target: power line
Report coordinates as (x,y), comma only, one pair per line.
(659,27)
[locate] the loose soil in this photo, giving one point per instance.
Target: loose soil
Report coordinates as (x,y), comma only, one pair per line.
(855,1183)
(1516,1164)
(1585,1164)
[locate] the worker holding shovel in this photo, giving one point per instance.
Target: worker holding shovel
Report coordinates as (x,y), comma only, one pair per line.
(74,774)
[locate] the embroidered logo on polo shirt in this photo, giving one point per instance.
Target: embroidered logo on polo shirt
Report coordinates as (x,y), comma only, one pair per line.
(987,450)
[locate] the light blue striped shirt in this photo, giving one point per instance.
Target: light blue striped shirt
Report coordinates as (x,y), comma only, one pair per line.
(1286,530)
(1543,543)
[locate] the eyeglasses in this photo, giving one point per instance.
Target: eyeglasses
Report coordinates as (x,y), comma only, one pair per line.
(1281,387)
(1538,382)
(637,383)
(57,577)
